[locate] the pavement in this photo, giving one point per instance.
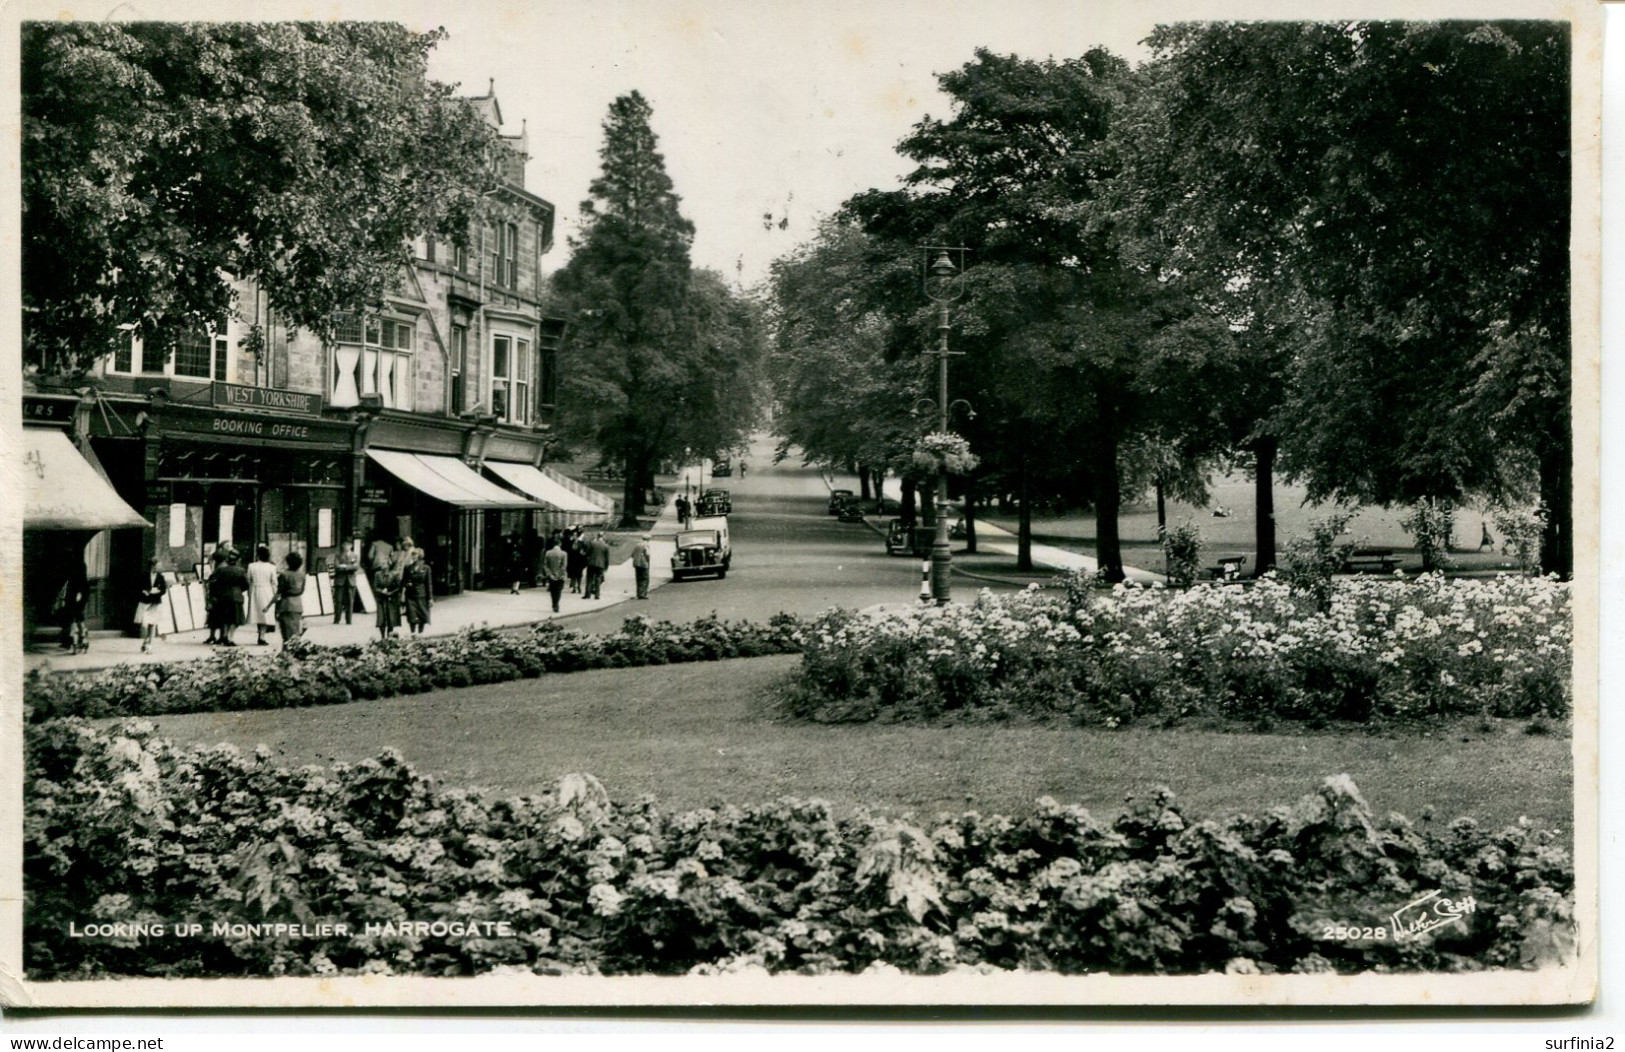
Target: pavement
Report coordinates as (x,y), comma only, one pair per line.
(991,539)
(491,608)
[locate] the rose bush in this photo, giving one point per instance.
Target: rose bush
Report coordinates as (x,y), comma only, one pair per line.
(1417,648)
(122,827)
(302,673)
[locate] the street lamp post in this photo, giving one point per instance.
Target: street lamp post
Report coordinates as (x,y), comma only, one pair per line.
(944,283)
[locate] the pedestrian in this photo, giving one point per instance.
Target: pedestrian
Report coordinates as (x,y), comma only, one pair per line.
(403,555)
(227,586)
(70,607)
(380,553)
(344,570)
(261,592)
(576,555)
(682,510)
(417,592)
(211,612)
(386,593)
(290,602)
(742,468)
(1485,540)
(640,565)
(555,567)
(597,565)
(514,545)
(149,612)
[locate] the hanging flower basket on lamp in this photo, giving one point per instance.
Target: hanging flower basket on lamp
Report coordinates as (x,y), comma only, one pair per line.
(944,450)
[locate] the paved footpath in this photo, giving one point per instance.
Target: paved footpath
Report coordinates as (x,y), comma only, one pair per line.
(991,538)
(493,608)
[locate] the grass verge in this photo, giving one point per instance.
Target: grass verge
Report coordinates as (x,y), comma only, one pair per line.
(705,734)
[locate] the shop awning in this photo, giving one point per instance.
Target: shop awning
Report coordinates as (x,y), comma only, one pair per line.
(61,491)
(447,479)
(528,480)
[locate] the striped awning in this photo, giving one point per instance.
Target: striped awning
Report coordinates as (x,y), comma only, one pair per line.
(534,483)
(448,479)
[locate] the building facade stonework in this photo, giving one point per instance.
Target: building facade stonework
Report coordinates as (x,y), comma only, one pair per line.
(254,432)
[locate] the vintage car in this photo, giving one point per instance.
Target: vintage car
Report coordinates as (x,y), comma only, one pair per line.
(851,511)
(722,469)
(714,501)
(837,497)
(702,549)
(904,540)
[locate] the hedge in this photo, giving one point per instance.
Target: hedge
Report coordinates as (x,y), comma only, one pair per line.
(301,673)
(123,828)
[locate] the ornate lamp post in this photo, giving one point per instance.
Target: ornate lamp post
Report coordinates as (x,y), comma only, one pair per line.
(944,283)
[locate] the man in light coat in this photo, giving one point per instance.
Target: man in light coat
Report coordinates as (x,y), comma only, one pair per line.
(640,566)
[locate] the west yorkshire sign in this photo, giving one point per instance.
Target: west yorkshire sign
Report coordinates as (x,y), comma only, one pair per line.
(236,396)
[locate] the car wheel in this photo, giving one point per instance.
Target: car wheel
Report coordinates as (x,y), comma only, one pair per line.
(722,573)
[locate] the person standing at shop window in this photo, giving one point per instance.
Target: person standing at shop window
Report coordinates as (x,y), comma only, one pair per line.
(70,609)
(226,587)
(417,591)
(149,612)
(380,553)
(344,570)
(290,602)
(262,592)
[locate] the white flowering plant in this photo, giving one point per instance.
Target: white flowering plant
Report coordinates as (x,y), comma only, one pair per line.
(944,451)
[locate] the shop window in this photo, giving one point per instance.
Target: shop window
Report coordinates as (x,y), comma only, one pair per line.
(371,356)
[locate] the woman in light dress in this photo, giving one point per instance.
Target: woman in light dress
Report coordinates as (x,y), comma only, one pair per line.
(261,592)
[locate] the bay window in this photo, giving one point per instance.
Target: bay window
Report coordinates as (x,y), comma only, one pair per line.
(510,379)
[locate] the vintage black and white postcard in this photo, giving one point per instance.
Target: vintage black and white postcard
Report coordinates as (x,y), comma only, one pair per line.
(639,503)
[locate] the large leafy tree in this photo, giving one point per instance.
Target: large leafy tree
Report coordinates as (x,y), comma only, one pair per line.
(663,361)
(160,159)
(1382,209)
(1067,337)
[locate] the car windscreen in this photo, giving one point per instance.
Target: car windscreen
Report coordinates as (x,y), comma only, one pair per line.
(698,540)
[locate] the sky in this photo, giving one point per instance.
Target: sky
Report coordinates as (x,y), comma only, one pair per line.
(762,109)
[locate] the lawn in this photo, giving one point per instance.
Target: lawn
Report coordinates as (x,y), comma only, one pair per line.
(1232,534)
(706,733)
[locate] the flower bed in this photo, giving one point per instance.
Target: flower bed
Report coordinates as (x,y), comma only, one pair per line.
(302,674)
(1386,649)
(122,828)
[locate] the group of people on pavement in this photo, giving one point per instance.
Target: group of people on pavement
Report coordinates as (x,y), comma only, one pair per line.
(402,582)
(572,557)
(258,593)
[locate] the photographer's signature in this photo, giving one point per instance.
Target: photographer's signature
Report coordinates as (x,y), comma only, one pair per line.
(1418,917)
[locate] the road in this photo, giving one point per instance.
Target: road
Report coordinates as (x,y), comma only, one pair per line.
(789,554)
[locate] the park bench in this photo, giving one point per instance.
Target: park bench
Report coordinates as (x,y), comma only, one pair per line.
(601,474)
(1229,568)
(1370,560)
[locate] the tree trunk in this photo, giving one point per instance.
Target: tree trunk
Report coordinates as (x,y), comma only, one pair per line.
(907,511)
(1024,528)
(970,520)
(1264,506)
(632,490)
(863,483)
(1162,511)
(1108,499)
(1557,493)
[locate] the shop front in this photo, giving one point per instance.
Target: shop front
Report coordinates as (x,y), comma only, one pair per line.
(211,475)
(67,505)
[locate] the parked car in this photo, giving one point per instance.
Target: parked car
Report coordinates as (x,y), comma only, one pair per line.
(851,511)
(714,501)
(701,549)
(722,469)
(837,497)
(905,540)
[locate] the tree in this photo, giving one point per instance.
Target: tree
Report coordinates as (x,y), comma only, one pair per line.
(661,362)
(842,402)
(1065,334)
(160,160)
(1382,209)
